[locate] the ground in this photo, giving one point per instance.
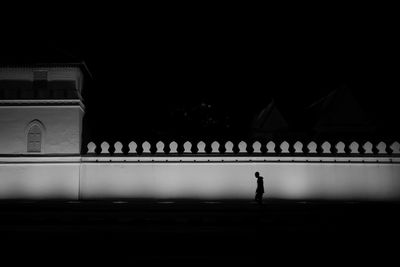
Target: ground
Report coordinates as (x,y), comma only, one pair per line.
(192,232)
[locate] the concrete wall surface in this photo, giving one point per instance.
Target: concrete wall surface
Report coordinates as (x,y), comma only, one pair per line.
(107,177)
(236,180)
(61,133)
(39,181)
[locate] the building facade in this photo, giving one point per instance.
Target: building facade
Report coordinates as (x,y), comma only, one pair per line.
(41,109)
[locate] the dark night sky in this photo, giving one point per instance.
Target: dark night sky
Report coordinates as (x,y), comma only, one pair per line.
(148,71)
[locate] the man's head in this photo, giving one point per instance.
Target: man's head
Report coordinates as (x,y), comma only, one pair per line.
(257,174)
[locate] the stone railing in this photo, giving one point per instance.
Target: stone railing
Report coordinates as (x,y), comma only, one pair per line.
(243,148)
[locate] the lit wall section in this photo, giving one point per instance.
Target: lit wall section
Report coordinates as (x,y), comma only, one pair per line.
(334,181)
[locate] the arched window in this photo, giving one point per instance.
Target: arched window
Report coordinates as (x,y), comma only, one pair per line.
(35,138)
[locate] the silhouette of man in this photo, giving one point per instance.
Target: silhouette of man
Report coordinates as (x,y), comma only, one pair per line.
(260,188)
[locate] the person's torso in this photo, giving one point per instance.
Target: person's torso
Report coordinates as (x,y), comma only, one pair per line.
(260,185)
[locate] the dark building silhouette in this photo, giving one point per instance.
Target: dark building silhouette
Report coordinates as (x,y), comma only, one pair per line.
(339,115)
(269,122)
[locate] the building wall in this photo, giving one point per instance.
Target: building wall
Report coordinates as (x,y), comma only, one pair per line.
(53,74)
(182,177)
(217,180)
(62,128)
(35,180)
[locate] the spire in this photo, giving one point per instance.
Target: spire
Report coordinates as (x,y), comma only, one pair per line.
(269,120)
(339,111)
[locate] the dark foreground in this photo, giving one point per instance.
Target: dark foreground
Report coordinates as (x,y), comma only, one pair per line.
(196,233)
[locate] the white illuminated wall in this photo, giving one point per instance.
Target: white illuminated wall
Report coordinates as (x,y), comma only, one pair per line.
(236,180)
(60,120)
(125,177)
(61,133)
(35,180)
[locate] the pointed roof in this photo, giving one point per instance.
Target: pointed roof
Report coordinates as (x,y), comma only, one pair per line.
(270,119)
(338,111)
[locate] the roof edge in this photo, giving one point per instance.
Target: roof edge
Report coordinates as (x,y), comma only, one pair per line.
(82,65)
